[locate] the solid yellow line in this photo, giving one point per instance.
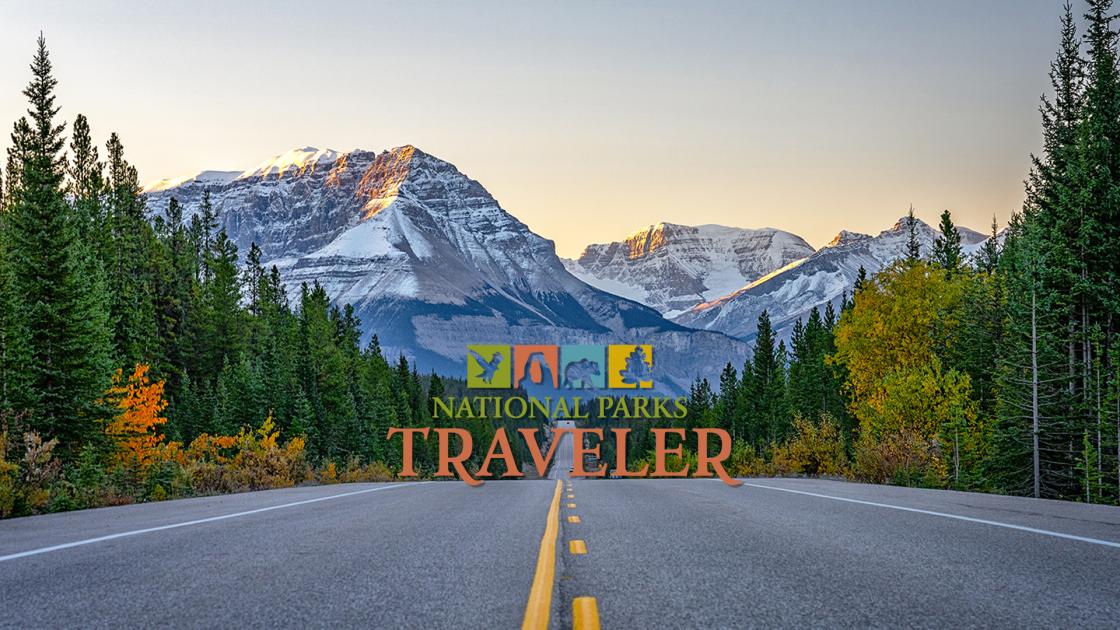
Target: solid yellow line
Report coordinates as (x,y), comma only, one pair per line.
(540,595)
(573,519)
(585,614)
(577,547)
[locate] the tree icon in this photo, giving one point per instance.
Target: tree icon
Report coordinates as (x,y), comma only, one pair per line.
(637,368)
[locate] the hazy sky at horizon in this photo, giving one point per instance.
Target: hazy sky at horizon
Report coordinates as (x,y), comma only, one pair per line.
(585,120)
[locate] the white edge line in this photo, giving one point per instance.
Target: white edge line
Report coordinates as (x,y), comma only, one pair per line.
(1022,528)
(211,519)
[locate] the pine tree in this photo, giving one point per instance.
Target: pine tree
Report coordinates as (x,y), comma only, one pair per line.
(987,259)
(767,422)
(86,180)
(913,246)
(65,352)
(129,262)
(727,408)
(1095,175)
(947,247)
(325,375)
(1042,263)
(219,322)
(174,297)
(861,280)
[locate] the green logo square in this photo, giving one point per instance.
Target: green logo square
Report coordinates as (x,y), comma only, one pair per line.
(489,367)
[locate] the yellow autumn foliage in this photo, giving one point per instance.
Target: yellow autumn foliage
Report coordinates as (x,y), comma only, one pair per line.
(253,459)
(815,449)
(9,476)
(890,343)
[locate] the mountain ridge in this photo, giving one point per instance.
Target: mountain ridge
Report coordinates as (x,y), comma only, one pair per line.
(824,277)
(430,260)
(672,267)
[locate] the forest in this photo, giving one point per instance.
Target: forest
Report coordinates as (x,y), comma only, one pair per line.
(997,373)
(146,358)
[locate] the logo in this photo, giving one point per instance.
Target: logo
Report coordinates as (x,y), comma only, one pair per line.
(539,365)
(488,366)
(631,367)
(583,367)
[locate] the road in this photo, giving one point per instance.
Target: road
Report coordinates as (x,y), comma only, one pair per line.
(659,554)
(564,453)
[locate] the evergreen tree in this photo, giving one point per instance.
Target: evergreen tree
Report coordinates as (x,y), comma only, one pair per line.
(987,260)
(768,421)
(129,262)
(861,280)
(219,326)
(727,406)
(64,360)
(913,246)
(1042,263)
(947,247)
(86,180)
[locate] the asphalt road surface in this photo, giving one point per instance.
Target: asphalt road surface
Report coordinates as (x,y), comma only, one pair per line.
(563,456)
(659,554)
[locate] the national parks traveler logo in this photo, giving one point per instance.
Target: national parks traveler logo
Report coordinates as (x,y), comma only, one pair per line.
(584,367)
(560,367)
(539,365)
(488,366)
(631,367)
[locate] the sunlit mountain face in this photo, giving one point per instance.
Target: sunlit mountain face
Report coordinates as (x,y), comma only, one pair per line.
(429,259)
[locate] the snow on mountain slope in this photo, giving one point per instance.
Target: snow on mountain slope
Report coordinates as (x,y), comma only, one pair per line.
(296,160)
(430,261)
(205,178)
(826,276)
(673,267)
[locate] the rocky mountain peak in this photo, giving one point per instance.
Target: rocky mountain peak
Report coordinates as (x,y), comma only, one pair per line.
(295,161)
(672,267)
(845,237)
(428,259)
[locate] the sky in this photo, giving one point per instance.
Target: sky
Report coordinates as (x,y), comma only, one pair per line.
(586,120)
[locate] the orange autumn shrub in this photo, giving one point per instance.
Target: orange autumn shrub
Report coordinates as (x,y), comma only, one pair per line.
(135,430)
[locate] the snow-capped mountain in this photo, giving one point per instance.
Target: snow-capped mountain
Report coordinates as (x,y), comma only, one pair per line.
(429,260)
(790,293)
(674,267)
(208,178)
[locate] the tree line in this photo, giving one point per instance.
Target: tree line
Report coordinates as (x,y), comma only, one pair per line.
(995,373)
(102,307)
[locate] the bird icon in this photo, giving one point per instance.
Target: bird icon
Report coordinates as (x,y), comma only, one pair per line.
(489,368)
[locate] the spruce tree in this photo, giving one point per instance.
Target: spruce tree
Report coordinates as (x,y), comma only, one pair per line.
(86,180)
(129,262)
(766,422)
(1038,378)
(64,358)
(947,247)
(987,260)
(913,246)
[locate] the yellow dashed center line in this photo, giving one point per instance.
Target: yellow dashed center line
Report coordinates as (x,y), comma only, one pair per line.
(577,547)
(572,505)
(540,594)
(585,614)
(573,519)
